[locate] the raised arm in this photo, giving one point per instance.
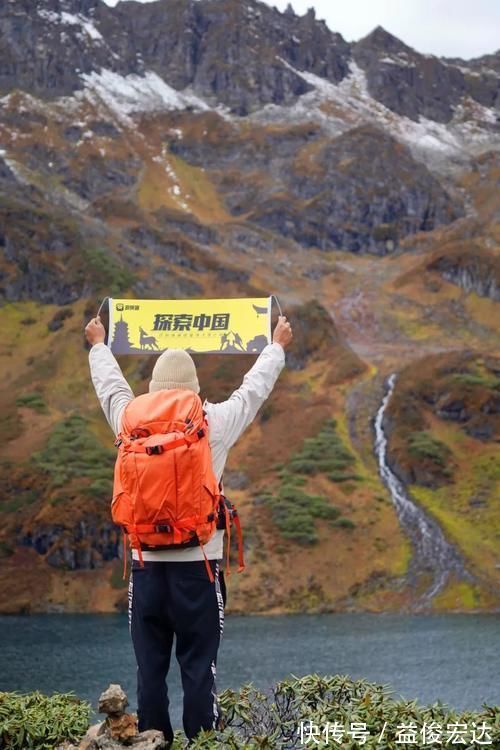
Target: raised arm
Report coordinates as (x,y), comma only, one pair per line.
(230,418)
(112,390)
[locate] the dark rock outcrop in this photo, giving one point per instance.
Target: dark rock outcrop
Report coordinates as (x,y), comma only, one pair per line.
(84,546)
(413,84)
(362,192)
(470,267)
(405,81)
(45,49)
(229,51)
(316,336)
(481,76)
(39,239)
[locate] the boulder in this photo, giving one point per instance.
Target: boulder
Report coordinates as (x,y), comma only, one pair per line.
(113,701)
(122,728)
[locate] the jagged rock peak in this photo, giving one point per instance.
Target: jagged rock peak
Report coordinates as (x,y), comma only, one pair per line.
(381,40)
(417,85)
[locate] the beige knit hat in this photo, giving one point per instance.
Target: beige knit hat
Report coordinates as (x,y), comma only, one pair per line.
(174,369)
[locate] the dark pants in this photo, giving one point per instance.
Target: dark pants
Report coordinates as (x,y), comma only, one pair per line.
(167,599)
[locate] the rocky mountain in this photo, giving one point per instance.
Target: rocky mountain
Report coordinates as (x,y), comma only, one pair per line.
(188,148)
(416,85)
(181,42)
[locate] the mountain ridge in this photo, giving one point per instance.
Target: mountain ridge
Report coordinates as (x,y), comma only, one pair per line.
(133,37)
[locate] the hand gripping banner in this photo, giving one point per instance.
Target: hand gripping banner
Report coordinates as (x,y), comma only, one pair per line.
(222,326)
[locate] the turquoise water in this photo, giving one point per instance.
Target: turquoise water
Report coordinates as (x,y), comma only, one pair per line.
(452,658)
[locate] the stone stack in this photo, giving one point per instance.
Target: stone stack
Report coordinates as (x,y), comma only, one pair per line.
(118,729)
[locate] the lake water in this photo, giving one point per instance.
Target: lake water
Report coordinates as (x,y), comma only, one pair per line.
(452,658)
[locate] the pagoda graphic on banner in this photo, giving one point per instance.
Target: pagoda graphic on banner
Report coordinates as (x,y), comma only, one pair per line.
(121,339)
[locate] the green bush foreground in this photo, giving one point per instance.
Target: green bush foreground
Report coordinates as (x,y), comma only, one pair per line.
(254,720)
(41,722)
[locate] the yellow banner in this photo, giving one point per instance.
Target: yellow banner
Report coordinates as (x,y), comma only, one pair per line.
(222,326)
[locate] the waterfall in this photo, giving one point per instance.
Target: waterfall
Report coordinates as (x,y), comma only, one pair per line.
(432,553)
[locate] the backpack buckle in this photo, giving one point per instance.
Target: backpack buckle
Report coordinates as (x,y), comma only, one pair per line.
(154,450)
(200,433)
(163,528)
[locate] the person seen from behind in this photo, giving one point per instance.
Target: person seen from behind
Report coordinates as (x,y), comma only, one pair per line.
(170,593)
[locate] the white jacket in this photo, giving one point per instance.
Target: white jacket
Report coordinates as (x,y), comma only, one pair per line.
(226,421)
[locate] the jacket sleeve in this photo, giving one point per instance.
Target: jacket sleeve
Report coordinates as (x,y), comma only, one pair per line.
(231,418)
(112,390)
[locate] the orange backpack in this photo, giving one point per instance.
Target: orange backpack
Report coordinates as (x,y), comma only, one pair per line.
(165,492)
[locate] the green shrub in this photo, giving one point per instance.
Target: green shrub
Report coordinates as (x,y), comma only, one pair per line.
(255,720)
(292,480)
(105,271)
(32,401)
(5,550)
(336,476)
(424,445)
(323,454)
(270,720)
(293,510)
(73,451)
(345,523)
(18,502)
(470,378)
(38,722)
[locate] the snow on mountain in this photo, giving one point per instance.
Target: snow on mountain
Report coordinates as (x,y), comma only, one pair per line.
(339,107)
(70,19)
(125,95)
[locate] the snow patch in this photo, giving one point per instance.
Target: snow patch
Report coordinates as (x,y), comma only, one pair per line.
(175,190)
(399,60)
(176,132)
(126,95)
(70,19)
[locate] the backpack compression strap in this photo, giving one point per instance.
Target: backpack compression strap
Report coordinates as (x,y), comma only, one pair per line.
(157,444)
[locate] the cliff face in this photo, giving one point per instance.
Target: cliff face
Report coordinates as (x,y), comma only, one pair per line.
(471,268)
(413,84)
(215,148)
(181,41)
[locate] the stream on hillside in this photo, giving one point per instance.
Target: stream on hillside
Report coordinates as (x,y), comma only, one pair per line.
(432,553)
